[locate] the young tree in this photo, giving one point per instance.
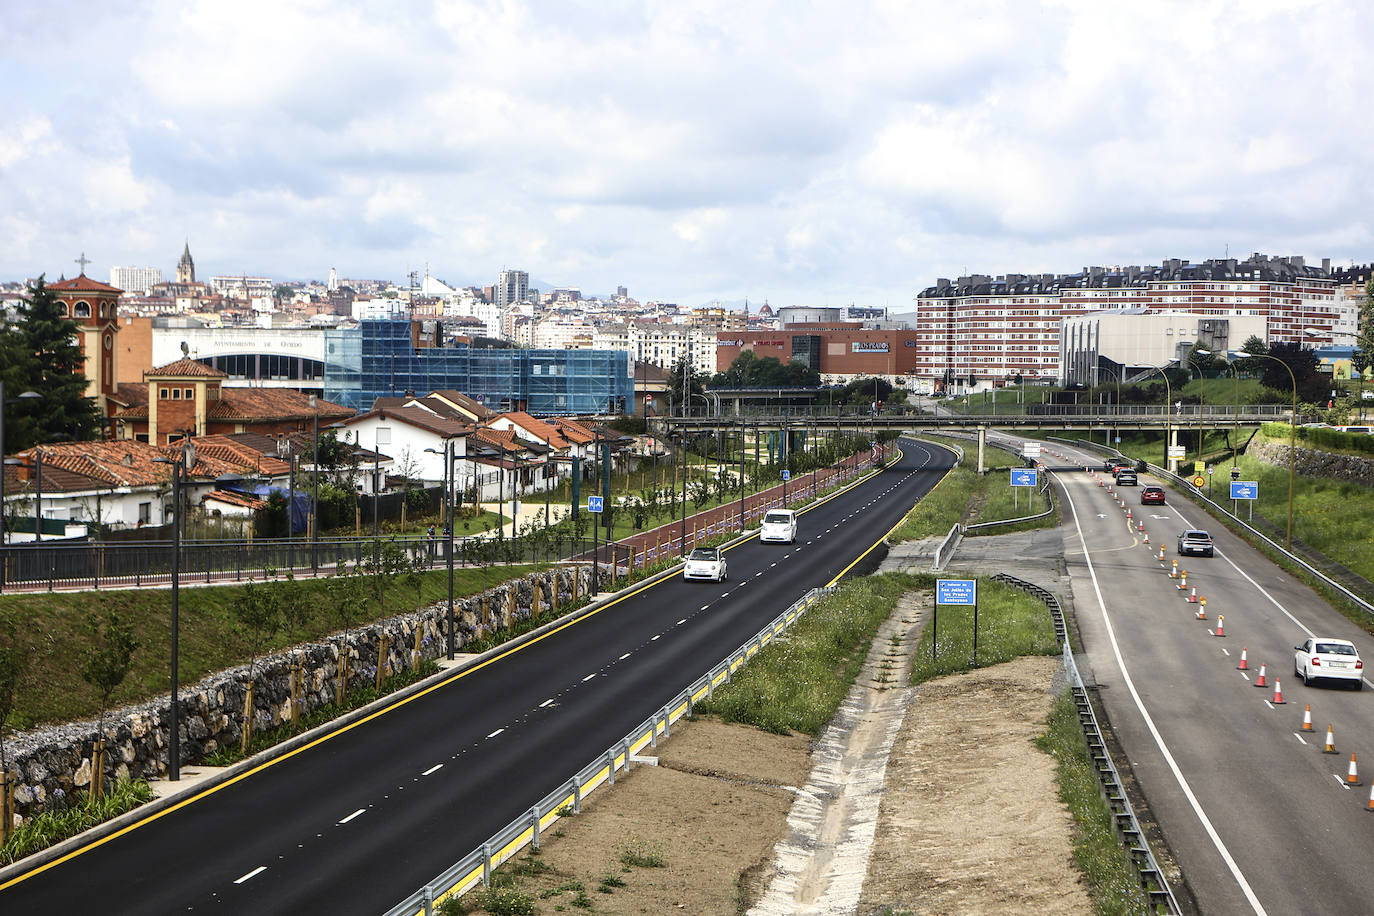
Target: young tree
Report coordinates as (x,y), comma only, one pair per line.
(104,666)
(261,613)
(343,597)
(48,360)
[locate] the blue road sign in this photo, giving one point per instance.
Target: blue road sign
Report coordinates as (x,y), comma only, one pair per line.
(786,474)
(1023,477)
(956,591)
(1245,489)
(594,504)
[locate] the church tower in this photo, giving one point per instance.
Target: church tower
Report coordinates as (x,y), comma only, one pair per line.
(186,268)
(94,306)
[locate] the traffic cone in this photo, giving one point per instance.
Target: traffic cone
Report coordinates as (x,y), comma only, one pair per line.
(1140,526)
(1173,571)
(1371,797)
(1330,741)
(1278,693)
(1243,666)
(1128,511)
(1352,775)
(1307,718)
(1192,595)
(1261,682)
(1161,554)
(1147,534)
(1182,579)
(1221,621)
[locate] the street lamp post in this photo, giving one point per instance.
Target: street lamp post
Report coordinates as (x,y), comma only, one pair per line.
(449,476)
(315,487)
(184,460)
(1168,406)
(1292,439)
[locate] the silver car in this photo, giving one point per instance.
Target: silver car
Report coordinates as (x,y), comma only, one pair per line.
(1327,657)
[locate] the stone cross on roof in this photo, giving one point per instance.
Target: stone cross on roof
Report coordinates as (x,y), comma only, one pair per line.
(83,261)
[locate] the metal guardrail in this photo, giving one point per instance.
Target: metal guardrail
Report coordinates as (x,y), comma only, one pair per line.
(1127,827)
(946,548)
(476,867)
(1045,490)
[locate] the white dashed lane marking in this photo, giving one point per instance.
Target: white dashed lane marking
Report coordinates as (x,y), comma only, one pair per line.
(495,733)
(623,657)
(353,815)
(589,677)
(433,769)
(257,871)
(547,702)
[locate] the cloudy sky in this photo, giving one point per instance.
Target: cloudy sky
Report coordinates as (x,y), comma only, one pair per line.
(800,152)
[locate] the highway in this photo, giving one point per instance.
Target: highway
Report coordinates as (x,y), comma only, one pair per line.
(358,819)
(1257,816)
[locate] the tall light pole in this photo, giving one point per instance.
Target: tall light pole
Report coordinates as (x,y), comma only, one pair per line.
(1168,406)
(448,534)
(185,459)
(315,487)
(1292,438)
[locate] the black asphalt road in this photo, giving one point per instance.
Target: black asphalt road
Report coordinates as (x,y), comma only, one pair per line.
(1257,816)
(358,820)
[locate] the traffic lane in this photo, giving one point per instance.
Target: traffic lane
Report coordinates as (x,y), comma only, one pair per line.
(1226,737)
(342,762)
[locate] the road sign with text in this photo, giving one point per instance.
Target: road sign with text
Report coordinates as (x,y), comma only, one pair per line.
(956,591)
(1245,489)
(1023,477)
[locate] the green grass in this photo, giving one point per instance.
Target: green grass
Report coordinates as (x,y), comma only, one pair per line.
(1099,854)
(798,681)
(76,816)
(1011,623)
(51,629)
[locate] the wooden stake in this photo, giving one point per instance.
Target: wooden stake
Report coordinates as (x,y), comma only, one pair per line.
(97,768)
(382,658)
(343,674)
(247,720)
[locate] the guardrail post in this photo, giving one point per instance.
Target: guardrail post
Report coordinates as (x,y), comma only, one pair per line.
(486,865)
(668,717)
(577,796)
(626,745)
(610,767)
(653,732)
(534,826)
(429,900)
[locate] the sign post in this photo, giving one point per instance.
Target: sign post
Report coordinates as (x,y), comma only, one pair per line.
(1022,477)
(962,592)
(594,507)
(1244,489)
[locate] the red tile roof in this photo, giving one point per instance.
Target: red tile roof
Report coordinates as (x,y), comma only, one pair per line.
(417,417)
(542,431)
(185,368)
(83,284)
(235,499)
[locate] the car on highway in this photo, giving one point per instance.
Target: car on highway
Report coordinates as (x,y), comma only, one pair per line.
(1195,541)
(705,563)
(1152,496)
(1327,657)
(779,525)
(1126,478)
(1112,465)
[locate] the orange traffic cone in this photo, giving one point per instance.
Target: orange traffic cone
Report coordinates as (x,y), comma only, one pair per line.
(1147,534)
(1242,666)
(1128,511)
(1173,572)
(1352,775)
(1161,554)
(1140,526)
(1182,579)
(1192,595)
(1307,718)
(1371,797)
(1278,693)
(1221,621)
(1330,741)
(1261,682)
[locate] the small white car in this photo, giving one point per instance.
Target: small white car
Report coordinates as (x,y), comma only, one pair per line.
(705,563)
(1323,657)
(779,525)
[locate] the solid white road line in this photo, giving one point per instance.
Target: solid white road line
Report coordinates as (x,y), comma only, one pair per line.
(433,769)
(353,815)
(257,871)
(1154,730)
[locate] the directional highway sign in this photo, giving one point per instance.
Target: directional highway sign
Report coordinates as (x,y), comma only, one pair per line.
(956,591)
(1245,489)
(1023,477)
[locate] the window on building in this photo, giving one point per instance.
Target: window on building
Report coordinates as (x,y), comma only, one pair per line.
(162,394)
(190,394)
(145,513)
(384,435)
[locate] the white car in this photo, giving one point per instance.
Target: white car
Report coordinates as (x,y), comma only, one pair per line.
(705,563)
(1323,657)
(779,525)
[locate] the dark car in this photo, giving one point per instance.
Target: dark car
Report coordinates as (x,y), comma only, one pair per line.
(1195,541)
(1126,478)
(1112,465)
(1152,496)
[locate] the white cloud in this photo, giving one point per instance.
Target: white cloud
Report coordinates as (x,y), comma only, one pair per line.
(801,153)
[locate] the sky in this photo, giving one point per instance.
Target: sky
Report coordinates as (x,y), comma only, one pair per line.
(800,153)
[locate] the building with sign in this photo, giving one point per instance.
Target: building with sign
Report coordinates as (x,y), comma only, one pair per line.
(840,351)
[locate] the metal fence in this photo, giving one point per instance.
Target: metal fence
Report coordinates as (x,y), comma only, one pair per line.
(476,867)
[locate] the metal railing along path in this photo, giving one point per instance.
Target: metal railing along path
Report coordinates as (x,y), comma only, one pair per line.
(477,866)
(1124,821)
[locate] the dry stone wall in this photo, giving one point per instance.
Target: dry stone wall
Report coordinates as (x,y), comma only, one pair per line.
(1311,462)
(48,764)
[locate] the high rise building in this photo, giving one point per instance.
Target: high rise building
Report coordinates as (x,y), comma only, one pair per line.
(135,279)
(186,268)
(513,287)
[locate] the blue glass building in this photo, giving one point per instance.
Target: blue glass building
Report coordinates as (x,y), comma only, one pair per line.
(377,359)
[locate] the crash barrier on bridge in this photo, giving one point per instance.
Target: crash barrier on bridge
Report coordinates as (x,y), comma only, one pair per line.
(477,866)
(1123,815)
(1185,486)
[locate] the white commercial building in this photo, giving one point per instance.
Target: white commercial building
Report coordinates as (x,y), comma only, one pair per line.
(1095,349)
(135,279)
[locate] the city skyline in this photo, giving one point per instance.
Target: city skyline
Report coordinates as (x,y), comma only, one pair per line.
(816,156)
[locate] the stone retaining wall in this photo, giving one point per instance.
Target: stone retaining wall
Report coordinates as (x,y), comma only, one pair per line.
(48,763)
(1311,462)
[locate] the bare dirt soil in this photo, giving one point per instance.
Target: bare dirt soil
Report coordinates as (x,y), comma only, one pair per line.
(969,822)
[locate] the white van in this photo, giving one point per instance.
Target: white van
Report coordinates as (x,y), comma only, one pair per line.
(779,525)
